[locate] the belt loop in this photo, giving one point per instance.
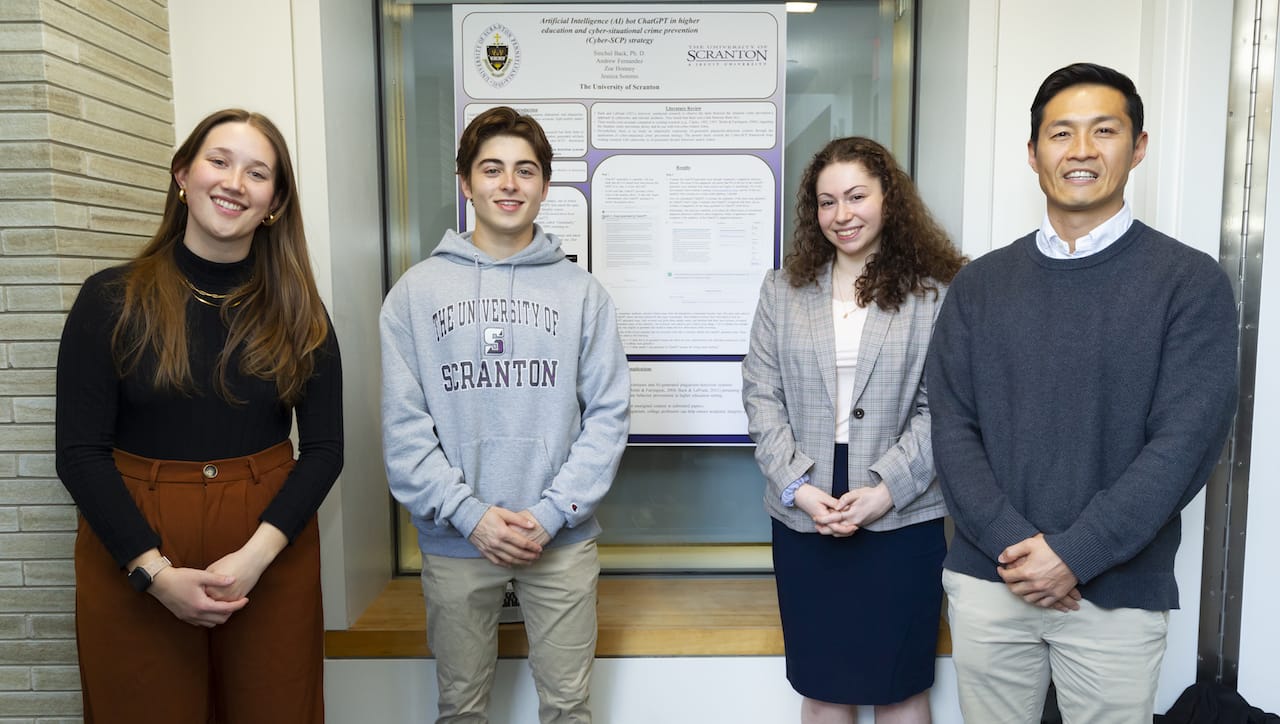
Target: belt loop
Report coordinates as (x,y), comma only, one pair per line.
(253,469)
(155,474)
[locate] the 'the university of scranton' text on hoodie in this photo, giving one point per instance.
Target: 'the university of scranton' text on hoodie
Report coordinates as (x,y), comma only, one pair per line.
(504,383)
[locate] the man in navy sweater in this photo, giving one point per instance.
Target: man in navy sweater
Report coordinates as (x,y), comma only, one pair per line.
(1082,381)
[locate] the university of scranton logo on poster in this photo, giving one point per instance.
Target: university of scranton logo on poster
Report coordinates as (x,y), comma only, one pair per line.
(497,55)
(726,55)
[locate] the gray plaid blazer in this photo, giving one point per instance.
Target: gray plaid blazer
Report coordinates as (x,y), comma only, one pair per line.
(789,391)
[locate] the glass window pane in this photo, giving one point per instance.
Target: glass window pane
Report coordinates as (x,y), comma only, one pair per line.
(849,72)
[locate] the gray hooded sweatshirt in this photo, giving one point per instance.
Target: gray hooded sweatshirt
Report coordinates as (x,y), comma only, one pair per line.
(503,383)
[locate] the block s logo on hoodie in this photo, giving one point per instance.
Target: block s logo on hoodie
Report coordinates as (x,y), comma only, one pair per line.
(493,338)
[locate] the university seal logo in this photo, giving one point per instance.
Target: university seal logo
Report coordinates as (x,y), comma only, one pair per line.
(497,55)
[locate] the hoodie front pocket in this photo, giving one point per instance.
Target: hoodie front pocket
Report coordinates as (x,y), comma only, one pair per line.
(508,472)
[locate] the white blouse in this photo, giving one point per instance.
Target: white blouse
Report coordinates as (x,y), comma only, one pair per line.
(849,318)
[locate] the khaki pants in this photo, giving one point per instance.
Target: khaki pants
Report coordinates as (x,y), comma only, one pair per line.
(140,664)
(1105,663)
(558,597)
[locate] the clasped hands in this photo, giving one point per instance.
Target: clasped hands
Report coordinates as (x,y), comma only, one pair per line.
(208,597)
(1034,572)
(1030,568)
(841,518)
(508,538)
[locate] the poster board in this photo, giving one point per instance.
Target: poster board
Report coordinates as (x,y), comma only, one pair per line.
(666,123)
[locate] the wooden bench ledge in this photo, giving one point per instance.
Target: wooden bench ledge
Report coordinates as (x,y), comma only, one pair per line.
(638,616)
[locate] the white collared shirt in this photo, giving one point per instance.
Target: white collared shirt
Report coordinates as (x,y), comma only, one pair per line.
(1054,247)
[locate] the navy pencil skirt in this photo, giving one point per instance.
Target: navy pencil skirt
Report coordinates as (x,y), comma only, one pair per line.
(860,614)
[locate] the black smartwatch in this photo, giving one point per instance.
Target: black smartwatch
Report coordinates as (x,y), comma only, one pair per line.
(142,576)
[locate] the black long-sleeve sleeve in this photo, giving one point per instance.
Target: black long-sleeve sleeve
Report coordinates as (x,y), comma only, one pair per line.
(87,401)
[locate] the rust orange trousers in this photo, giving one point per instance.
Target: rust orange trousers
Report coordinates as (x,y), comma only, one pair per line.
(140,664)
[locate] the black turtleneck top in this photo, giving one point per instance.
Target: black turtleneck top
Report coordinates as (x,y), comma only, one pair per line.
(97,411)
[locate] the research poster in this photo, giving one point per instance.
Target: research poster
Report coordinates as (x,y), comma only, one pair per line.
(666,123)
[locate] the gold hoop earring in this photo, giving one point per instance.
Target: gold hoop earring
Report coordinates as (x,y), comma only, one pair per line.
(270,219)
(182,194)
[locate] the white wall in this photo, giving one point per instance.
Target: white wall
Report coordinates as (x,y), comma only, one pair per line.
(216,66)
(309,66)
(688,690)
(341,113)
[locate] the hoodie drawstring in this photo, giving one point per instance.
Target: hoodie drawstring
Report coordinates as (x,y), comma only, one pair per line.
(475,258)
(511,294)
(509,342)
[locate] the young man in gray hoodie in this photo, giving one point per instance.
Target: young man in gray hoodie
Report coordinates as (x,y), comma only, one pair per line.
(505,397)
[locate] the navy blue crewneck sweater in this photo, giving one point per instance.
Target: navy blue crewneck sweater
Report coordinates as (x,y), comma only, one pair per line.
(1087,399)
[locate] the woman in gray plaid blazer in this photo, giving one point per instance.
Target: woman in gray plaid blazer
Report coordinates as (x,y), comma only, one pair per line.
(834,393)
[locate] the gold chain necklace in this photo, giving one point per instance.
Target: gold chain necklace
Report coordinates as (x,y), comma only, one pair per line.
(836,286)
(208,298)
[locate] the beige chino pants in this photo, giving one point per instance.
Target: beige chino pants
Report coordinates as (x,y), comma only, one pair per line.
(558,597)
(1105,663)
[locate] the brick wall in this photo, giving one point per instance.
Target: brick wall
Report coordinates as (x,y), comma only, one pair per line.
(86,131)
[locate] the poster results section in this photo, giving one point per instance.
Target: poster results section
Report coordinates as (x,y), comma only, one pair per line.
(666,123)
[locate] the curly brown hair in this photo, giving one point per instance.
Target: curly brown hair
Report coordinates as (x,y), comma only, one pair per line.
(915,253)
